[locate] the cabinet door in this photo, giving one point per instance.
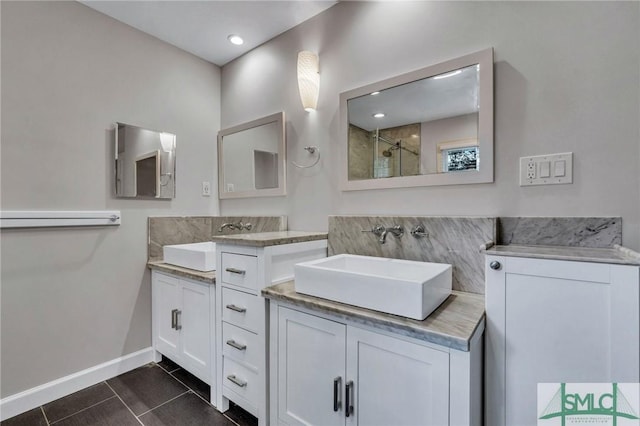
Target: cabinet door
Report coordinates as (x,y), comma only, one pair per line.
(166,296)
(396,382)
(196,334)
(556,321)
(311,354)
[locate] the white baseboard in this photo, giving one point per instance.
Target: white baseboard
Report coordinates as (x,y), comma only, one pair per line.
(43,394)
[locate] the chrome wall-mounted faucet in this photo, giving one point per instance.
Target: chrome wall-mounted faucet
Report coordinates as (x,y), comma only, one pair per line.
(382,232)
(237,226)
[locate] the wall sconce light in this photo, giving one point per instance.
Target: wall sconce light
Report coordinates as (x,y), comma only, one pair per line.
(167,140)
(308,79)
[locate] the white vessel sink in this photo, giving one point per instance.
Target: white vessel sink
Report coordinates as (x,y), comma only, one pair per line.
(198,256)
(401,287)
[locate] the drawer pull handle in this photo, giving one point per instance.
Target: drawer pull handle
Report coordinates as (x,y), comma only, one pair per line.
(174,319)
(178,315)
(349,399)
(236,345)
(237,308)
(236,381)
(336,389)
(236,271)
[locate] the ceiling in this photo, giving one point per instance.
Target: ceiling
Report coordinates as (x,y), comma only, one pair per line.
(202,27)
(419,101)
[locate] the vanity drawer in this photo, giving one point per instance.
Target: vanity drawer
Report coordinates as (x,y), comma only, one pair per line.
(241,345)
(242,309)
(240,270)
(241,380)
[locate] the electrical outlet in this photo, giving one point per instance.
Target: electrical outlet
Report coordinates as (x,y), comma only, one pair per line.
(206,189)
(531,169)
(550,169)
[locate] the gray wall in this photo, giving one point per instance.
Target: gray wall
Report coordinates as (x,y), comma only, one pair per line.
(75,298)
(566,79)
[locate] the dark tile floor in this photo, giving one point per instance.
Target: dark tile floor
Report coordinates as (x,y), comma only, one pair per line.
(160,394)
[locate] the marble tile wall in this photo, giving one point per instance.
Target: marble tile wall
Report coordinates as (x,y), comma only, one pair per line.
(595,232)
(195,229)
(454,240)
(360,154)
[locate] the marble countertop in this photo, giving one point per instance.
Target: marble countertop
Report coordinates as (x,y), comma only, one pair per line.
(264,239)
(452,324)
(616,255)
(207,277)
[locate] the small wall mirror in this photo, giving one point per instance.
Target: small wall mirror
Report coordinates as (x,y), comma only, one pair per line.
(433,126)
(145,163)
(251,159)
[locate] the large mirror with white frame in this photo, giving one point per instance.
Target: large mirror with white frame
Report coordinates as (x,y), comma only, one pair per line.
(433,126)
(251,159)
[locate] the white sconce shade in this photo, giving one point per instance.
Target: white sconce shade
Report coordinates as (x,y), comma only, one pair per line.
(308,79)
(167,140)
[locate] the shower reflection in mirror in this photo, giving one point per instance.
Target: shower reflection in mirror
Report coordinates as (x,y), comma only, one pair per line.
(422,127)
(144,163)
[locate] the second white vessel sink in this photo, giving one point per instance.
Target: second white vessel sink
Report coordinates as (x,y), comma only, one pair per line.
(198,256)
(402,287)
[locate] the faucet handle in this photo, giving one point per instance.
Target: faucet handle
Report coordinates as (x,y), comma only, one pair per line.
(246,226)
(418,231)
(397,230)
(376,230)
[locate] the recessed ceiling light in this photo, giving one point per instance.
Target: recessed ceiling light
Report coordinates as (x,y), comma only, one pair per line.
(378,115)
(235,39)
(449,74)
(374,93)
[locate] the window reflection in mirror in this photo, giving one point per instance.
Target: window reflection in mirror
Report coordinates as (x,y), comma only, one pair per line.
(144,163)
(407,130)
(432,126)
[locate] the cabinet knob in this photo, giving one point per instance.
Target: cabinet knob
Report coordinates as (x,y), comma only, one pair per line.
(495,265)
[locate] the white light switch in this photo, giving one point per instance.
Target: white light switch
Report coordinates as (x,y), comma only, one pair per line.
(545,169)
(550,169)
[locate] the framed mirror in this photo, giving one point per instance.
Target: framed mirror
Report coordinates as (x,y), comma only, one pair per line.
(145,163)
(433,126)
(252,159)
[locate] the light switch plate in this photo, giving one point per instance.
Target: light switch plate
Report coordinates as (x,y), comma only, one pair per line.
(206,189)
(533,168)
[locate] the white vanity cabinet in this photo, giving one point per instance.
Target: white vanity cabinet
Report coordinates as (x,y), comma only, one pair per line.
(556,321)
(325,371)
(243,271)
(183,323)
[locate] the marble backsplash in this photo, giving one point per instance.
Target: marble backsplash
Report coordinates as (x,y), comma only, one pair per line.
(195,229)
(594,232)
(454,240)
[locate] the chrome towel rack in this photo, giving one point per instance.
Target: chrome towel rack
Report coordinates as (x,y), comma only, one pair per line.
(47,219)
(311,150)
